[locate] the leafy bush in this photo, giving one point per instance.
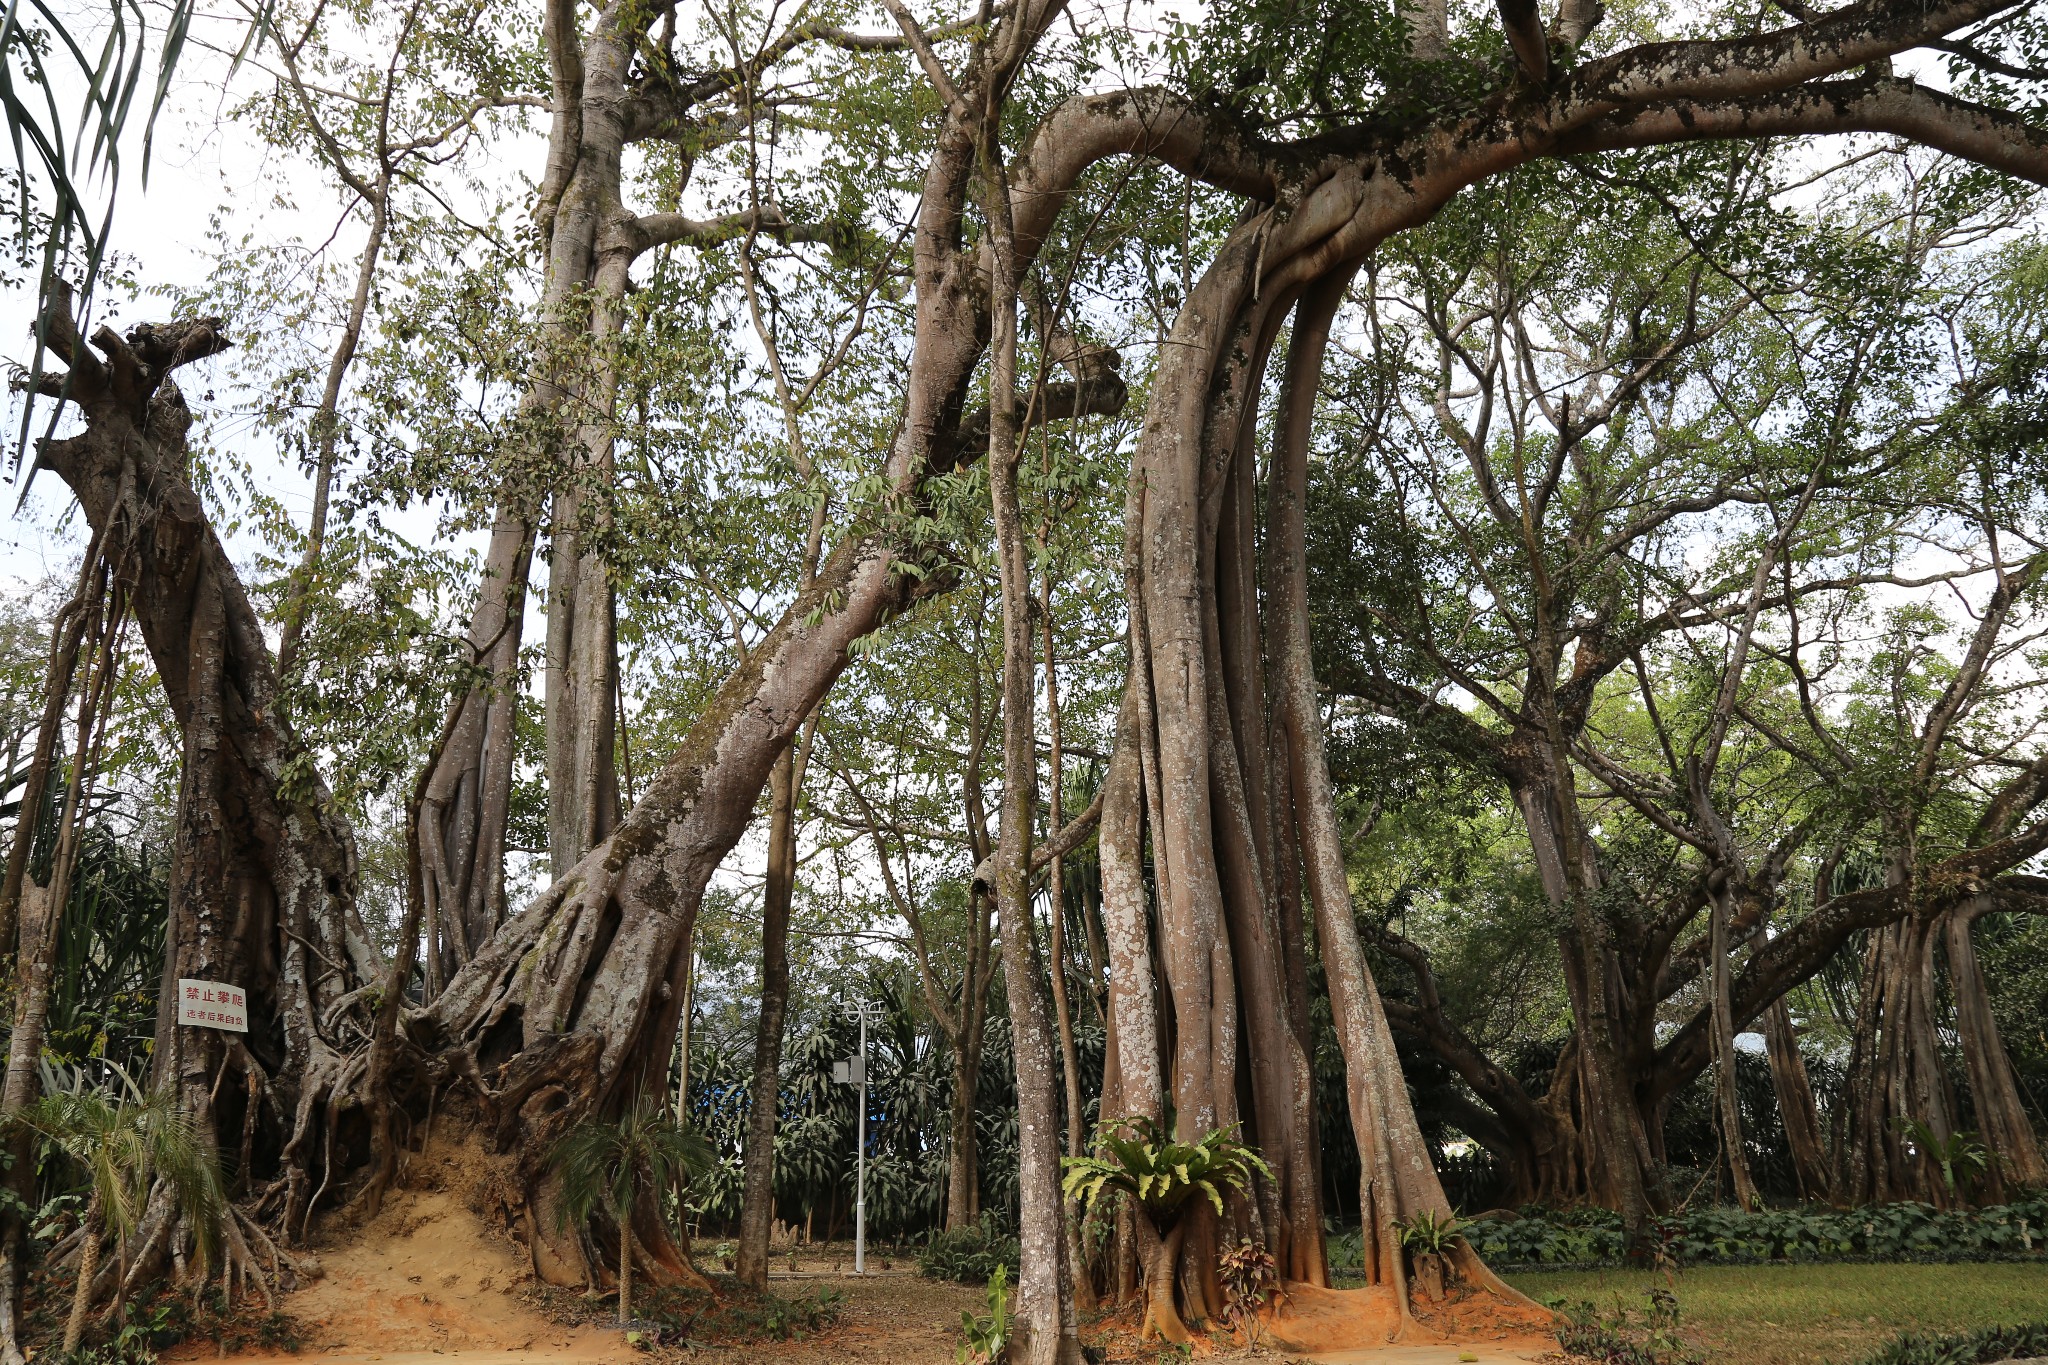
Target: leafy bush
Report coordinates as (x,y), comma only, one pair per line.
(1728,1236)
(1625,1338)
(1346,1251)
(1961,1157)
(1250,1279)
(968,1255)
(1964,1348)
(161,1315)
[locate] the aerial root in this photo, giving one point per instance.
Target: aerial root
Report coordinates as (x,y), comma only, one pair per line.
(238,1261)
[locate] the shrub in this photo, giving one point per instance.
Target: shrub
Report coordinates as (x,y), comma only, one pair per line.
(606,1166)
(1430,1233)
(968,1255)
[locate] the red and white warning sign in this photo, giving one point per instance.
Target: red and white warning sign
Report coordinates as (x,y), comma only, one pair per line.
(212,1004)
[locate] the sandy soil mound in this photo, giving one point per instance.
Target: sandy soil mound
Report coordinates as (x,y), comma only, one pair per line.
(1318,1321)
(430,1275)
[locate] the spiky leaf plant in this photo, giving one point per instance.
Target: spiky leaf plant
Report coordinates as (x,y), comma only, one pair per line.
(1138,1158)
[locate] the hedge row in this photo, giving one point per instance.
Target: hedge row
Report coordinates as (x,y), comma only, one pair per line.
(1880,1232)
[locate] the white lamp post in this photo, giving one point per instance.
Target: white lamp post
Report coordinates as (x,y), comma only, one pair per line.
(855,1072)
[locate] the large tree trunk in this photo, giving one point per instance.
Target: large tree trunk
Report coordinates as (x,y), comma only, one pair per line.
(583,661)
(1045,1328)
(2002,1121)
(459,823)
(570,1008)
(263,872)
(1612,1150)
(1896,1074)
(1796,1107)
(1397,1178)
(757,1199)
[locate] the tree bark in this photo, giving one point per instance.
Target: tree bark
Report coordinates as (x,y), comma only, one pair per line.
(1726,1103)
(88,1267)
(1397,1179)
(1162,1259)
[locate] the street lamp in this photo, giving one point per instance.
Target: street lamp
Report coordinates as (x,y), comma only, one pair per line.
(854,1071)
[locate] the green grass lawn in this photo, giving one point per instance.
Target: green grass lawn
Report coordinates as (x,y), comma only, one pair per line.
(1815,1314)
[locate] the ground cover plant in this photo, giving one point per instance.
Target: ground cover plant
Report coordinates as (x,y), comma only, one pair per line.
(156,1318)
(1642,1334)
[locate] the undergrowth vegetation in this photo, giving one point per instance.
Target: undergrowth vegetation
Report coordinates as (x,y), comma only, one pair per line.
(681,1316)
(1964,1348)
(1623,1336)
(968,1255)
(158,1317)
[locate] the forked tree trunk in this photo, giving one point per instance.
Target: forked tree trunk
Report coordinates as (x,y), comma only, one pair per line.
(1161,1256)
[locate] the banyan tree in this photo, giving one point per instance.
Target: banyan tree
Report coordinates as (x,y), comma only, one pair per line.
(1219,777)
